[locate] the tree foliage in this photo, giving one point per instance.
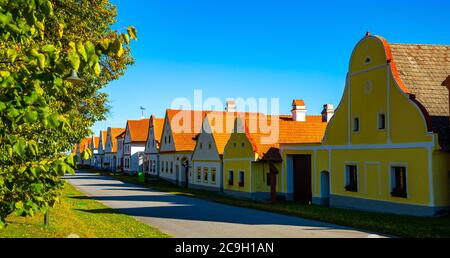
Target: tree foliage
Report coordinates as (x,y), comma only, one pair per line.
(42,114)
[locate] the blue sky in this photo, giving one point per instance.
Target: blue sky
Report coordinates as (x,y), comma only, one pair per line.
(256,48)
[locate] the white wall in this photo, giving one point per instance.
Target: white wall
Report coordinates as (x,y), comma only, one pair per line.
(209,165)
(177,175)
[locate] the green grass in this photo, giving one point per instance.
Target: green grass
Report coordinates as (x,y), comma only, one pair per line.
(389,224)
(75,214)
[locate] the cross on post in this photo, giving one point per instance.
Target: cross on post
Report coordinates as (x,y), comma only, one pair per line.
(142,111)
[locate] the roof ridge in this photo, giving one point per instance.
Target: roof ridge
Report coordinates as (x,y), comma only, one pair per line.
(420,44)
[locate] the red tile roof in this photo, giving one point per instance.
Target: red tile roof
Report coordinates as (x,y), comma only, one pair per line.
(419,70)
(158,124)
(185,125)
(114,133)
(138,130)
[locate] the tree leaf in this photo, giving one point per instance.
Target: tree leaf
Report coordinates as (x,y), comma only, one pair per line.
(20,147)
(82,51)
(31,116)
(132,32)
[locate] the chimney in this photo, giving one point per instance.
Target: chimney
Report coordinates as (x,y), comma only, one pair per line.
(230,106)
(327,112)
(298,110)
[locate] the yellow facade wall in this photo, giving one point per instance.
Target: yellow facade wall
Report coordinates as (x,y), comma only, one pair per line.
(377,186)
(240,156)
(441,178)
(372,90)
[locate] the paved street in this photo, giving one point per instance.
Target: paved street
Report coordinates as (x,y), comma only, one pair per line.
(189,217)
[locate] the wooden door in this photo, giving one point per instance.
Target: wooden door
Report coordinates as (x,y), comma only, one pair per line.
(302,178)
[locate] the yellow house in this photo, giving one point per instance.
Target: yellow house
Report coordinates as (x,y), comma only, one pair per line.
(252,152)
(387,147)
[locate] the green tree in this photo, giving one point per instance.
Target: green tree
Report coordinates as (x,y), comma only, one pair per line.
(42,114)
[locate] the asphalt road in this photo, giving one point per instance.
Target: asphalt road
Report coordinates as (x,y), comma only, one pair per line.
(186,217)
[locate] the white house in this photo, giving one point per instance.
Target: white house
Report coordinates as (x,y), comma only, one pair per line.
(177,144)
(110,158)
(94,148)
(101,150)
(134,145)
(207,158)
(119,143)
(151,165)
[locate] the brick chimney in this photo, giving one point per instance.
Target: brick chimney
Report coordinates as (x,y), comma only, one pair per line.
(327,112)
(230,106)
(298,110)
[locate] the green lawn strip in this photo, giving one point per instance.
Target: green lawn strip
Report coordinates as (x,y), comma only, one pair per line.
(389,224)
(82,216)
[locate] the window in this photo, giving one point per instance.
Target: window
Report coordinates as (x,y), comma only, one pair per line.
(356,124)
(169,138)
(201,145)
(230,177)
(205,175)
(167,167)
(381,121)
(234,145)
(367,60)
(398,179)
(213,175)
(162,167)
(241,179)
(199,174)
(351,178)
(243,145)
(165,139)
(209,146)
(171,167)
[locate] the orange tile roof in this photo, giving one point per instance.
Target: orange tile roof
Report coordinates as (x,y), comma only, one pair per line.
(114,133)
(103,138)
(183,133)
(122,135)
(310,131)
(158,125)
(85,143)
(96,141)
(138,129)
(221,132)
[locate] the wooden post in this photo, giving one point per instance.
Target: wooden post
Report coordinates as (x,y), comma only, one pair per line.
(273,190)
(46,219)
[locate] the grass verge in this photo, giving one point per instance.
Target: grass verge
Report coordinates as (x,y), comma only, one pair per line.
(75,215)
(389,224)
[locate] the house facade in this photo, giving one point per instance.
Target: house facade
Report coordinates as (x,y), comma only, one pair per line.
(207,158)
(177,145)
(120,160)
(386,148)
(110,158)
(94,148)
(100,156)
(252,160)
(134,145)
(151,164)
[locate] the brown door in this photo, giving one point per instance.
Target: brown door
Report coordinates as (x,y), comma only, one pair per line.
(302,178)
